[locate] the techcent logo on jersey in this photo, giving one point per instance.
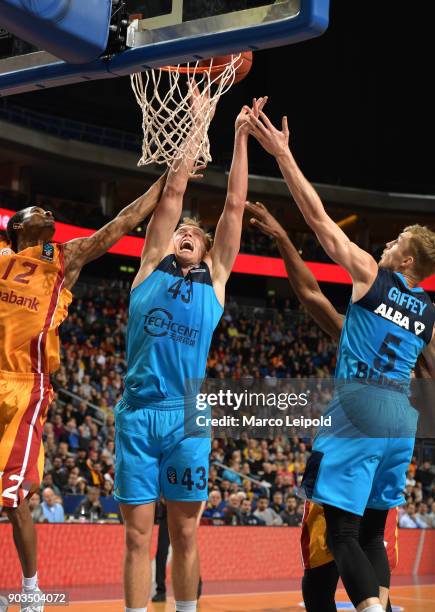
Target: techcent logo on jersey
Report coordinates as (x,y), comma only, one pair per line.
(159,322)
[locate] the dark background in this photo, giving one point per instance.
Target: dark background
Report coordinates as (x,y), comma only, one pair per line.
(359,99)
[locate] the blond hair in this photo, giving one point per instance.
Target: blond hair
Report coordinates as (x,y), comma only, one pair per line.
(421,246)
(195,222)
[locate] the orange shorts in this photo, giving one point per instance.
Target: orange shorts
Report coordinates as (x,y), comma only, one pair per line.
(315,551)
(24,402)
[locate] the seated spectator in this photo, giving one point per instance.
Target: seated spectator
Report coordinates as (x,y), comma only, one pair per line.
(215,506)
(90,508)
(72,433)
(107,490)
(83,485)
(280,484)
(72,486)
(59,473)
(70,463)
(246,469)
(82,464)
(248,489)
(266,514)
(58,427)
(277,502)
(268,473)
(422,513)
(246,515)
(241,496)
(290,515)
(225,487)
(53,511)
(425,475)
(36,509)
(232,510)
(47,482)
(96,470)
(410,519)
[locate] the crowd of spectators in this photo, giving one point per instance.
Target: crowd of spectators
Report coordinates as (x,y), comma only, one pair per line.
(252,481)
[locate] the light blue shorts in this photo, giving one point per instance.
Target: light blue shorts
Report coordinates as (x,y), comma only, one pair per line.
(154,457)
(362,460)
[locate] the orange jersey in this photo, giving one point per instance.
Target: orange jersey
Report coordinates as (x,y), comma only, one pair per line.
(33,303)
(315,551)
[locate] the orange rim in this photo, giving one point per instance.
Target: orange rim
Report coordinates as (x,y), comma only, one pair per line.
(196,69)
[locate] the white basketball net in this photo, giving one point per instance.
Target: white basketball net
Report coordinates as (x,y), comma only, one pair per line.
(170,133)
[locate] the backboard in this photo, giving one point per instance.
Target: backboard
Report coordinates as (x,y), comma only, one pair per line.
(75,33)
(161,32)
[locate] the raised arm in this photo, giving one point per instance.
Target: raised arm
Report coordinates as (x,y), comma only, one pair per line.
(299,275)
(81,251)
(360,264)
(229,228)
(160,230)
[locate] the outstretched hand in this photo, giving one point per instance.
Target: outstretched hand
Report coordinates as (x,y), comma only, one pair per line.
(242,121)
(264,220)
(271,139)
(194,176)
(200,104)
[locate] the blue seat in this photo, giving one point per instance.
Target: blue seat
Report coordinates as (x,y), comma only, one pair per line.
(71,502)
(110,505)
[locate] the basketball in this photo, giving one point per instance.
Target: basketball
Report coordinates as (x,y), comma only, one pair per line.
(243,65)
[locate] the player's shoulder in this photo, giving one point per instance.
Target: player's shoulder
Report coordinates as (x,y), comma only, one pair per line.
(48,252)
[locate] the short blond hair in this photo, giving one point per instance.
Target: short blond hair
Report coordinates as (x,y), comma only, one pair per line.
(422,247)
(195,222)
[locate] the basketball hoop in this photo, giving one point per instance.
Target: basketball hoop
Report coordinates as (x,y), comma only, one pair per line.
(169,131)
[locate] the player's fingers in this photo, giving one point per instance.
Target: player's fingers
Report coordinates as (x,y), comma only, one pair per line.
(256,208)
(254,108)
(256,134)
(252,208)
(266,120)
(256,123)
(262,103)
(256,128)
(261,226)
(285,126)
(252,127)
(261,206)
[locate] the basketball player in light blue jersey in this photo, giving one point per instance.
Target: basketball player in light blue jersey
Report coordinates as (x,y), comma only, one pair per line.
(176,301)
(389,323)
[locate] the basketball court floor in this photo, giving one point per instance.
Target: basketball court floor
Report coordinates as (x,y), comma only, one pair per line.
(405,596)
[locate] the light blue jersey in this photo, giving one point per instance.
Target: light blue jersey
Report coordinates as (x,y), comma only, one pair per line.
(385,331)
(171,322)
(361,461)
